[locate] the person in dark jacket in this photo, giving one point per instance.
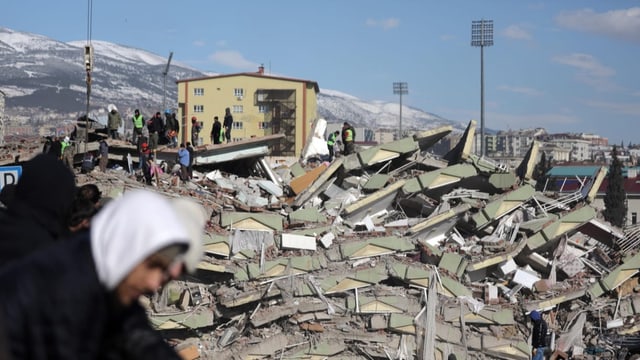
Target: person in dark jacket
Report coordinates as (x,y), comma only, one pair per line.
(215,131)
(173,128)
(155,128)
(37,214)
(538,335)
(92,283)
(56,148)
(227,123)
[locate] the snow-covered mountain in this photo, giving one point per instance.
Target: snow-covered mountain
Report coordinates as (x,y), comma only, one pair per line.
(45,79)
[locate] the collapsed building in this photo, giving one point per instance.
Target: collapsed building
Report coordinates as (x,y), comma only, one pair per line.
(393,253)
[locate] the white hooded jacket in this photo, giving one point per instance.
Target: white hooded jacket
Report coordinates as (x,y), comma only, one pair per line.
(127,231)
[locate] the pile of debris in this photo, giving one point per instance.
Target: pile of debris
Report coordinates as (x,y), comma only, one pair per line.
(392,253)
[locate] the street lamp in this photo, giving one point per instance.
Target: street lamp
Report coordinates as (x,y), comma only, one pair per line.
(482,35)
(400,88)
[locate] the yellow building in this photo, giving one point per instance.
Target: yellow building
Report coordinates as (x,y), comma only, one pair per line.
(260,104)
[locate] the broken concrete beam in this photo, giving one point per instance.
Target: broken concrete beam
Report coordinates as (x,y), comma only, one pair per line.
(312,190)
(189,352)
(463,149)
(502,206)
(355,280)
(439,178)
(629,267)
(375,247)
(380,304)
(286,266)
(427,138)
(373,203)
(251,221)
(377,322)
(267,347)
(307,215)
(564,225)
(327,239)
(300,242)
(300,183)
(383,153)
(270,314)
(233,299)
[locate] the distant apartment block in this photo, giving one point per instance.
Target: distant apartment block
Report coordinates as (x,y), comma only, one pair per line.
(261,104)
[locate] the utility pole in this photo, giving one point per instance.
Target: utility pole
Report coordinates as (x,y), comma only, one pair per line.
(400,88)
(88,66)
(164,88)
(481,36)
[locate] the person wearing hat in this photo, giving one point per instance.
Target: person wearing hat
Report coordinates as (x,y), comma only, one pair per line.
(114,121)
(196,126)
(68,150)
(538,335)
(92,283)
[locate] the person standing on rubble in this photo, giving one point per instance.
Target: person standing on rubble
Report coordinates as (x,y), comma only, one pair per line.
(192,152)
(196,126)
(538,335)
(103,148)
(138,123)
(68,150)
(93,282)
(37,215)
(155,128)
(331,143)
(183,160)
(173,128)
(227,123)
(216,129)
(56,148)
(114,121)
(348,138)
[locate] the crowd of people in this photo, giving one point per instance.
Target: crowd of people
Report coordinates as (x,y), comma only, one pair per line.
(73,264)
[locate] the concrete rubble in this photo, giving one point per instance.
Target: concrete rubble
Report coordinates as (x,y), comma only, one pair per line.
(392,253)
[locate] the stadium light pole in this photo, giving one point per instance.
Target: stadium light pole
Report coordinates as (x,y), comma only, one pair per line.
(482,35)
(400,88)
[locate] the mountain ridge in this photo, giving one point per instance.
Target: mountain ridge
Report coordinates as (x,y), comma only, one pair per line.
(44,78)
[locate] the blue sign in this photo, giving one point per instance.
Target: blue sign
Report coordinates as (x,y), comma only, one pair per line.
(9,175)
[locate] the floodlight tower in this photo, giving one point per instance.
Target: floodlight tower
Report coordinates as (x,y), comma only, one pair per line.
(400,88)
(164,88)
(482,35)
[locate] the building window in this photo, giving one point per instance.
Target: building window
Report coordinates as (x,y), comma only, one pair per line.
(237,125)
(263,109)
(263,125)
(198,108)
(198,92)
(237,108)
(238,92)
(634,218)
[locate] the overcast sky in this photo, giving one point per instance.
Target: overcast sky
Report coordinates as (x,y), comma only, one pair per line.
(568,65)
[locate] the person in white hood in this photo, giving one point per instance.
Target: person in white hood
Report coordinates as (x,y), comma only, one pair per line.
(77,299)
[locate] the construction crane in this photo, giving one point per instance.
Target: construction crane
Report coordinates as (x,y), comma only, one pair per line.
(164,89)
